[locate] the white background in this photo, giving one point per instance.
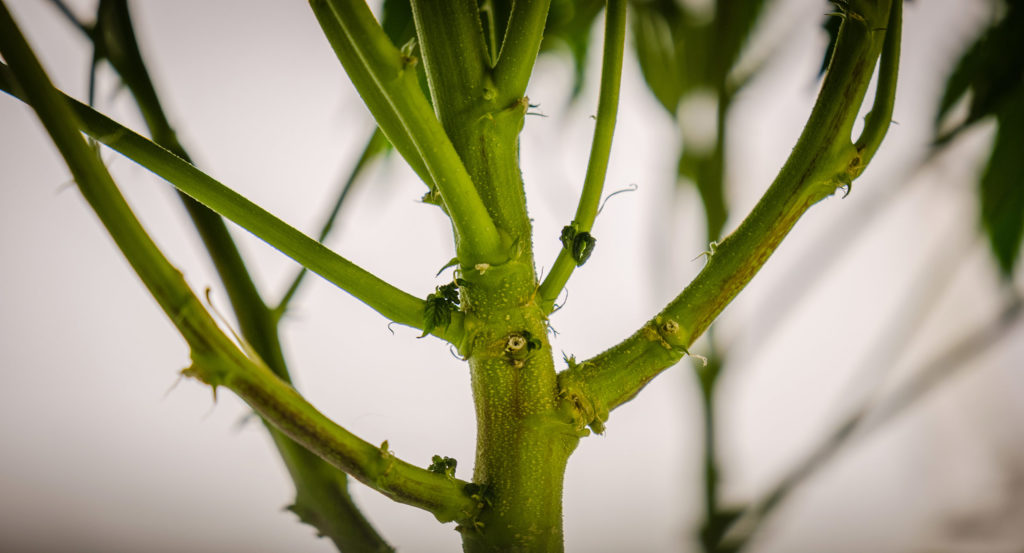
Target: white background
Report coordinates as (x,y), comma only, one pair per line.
(103,449)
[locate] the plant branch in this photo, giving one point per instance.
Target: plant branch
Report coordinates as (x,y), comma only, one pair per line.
(374,146)
(385,78)
(321,491)
(216,359)
(600,149)
(451,42)
(520,47)
(823,160)
(875,414)
(384,298)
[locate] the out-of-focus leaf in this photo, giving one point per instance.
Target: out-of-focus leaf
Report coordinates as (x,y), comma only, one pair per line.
(569,23)
(991,70)
(733,24)
(1002,184)
(704,171)
(658,31)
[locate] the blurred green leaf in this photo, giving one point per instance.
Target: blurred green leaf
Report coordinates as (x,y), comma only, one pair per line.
(658,29)
(734,22)
(991,70)
(1002,184)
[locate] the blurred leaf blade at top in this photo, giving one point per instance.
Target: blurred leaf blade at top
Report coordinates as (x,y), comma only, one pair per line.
(658,29)
(989,77)
(990,71)
(1001,189)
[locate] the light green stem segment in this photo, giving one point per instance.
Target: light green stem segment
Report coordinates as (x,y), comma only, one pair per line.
(215,358)
(321,490)
(600,149)
(389,301)
(823,160)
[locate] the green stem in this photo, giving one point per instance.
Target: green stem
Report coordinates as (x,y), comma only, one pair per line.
(823,160)
(520,47)
(374,146)
(387,300)
(380,71)
(878,120)
(322,497)
(600,149)
(451,42)
(216,359)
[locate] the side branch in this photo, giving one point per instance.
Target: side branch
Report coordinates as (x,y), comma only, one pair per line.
(823,160)
(386,80)
(389,301)
(216,359)
(519,47)
(600,149)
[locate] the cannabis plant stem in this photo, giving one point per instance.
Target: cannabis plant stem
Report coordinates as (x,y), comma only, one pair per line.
(823,160)
(519,47)
(321,497)
(389,301)
(600,149)
(216,359)
(374,146)
(379,69)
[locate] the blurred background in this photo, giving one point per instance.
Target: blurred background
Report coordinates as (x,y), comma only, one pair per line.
(104,448)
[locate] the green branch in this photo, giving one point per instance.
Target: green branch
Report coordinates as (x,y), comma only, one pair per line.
(384,77)
(216,359)
(873,415)
(384,298)
(520,47)
(374,146)
(823,160)
(451,41)
(607,109)
(321,491)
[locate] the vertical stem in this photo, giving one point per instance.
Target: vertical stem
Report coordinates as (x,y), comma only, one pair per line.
(523,441)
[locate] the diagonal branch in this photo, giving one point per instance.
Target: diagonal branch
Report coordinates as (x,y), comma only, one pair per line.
(823,160)
(519,47)
(600,149)
(875,414)
(384,298)
(216,360)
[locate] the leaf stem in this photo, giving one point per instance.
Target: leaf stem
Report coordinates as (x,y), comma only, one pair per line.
(600,149)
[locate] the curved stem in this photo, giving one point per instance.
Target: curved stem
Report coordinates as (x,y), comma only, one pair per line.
(600,149)
(823,160)
(216,359)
